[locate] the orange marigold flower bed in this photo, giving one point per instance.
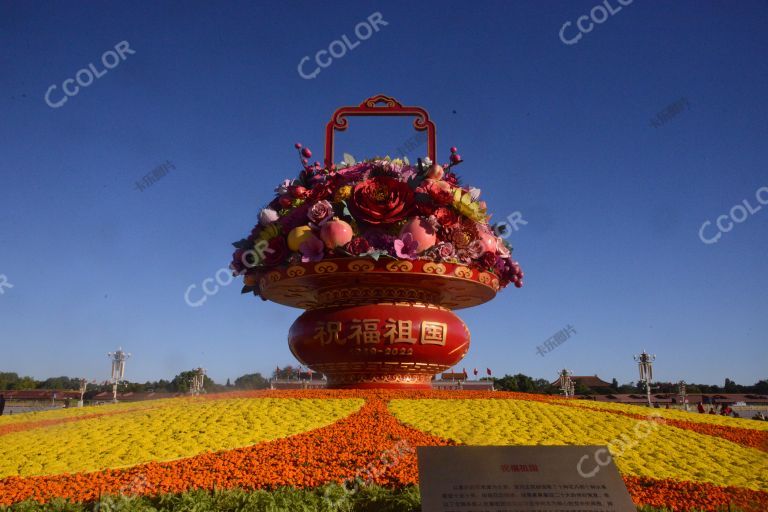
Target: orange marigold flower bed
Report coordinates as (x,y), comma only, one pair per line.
(681,496)
(354,446)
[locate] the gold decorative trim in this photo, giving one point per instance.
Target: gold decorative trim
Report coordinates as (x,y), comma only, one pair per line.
(326,267)
(399,266)
(464,272)
(372,295)
(360,266)
(434,268)
(296,271)
(484,277)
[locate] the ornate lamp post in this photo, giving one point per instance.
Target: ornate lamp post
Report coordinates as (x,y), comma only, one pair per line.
(645,365)
(566,384)
(683,399)
(83,387)
(118,369)
(197,385)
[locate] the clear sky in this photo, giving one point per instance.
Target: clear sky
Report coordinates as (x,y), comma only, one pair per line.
(561,133)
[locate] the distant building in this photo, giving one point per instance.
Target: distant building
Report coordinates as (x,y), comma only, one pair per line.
(592,382)
(40,394)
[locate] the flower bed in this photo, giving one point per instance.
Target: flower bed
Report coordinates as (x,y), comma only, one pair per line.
(669,466)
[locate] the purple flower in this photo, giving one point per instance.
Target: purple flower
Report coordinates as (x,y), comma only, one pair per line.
(406,247)
(294,218)
(380,240)
(320,212)
(312,249)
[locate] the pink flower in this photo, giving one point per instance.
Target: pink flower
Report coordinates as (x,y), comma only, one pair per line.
(502,248)
(267,216)
(475,249)
(406,246)
(446,251)
(312,249)
(320,212)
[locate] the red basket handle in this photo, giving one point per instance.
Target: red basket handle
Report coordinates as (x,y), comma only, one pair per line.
(370,107)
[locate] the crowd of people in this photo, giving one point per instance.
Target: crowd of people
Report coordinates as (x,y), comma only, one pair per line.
(725,410)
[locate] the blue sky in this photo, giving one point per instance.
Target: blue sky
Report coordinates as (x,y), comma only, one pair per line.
(559,132)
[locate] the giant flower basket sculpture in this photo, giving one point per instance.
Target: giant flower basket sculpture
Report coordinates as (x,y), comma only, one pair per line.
(379,253)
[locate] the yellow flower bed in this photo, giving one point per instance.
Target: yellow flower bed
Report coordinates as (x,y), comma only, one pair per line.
(640,447)
(673,414)
(180,428)
(73,412)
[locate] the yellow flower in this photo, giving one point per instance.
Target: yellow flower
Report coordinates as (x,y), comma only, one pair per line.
(640,447)
(342,194)
(463,203)
(270,232)
(174,429)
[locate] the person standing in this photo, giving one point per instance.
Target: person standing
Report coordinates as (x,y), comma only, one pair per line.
(2,403)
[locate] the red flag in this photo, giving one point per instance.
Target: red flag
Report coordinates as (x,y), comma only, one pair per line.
(488,371)
(475,372)
(464,371)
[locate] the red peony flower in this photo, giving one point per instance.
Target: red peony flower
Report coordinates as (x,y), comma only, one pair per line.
(320,191)
(381,200)
(446,217)
(441,192)
(488,260)
(275,253)
(358,246)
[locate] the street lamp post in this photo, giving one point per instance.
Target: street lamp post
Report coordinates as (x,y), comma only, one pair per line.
(118,358)
(645,365)
(683,398)
(198,381)
(567,385)
(83,387)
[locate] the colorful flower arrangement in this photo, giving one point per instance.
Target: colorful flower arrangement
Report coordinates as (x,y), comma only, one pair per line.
(379,208)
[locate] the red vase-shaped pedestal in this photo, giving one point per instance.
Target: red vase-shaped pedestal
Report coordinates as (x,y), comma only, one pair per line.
(379,324)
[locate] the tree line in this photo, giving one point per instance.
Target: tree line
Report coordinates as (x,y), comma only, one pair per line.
(524,383)
(518,382)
